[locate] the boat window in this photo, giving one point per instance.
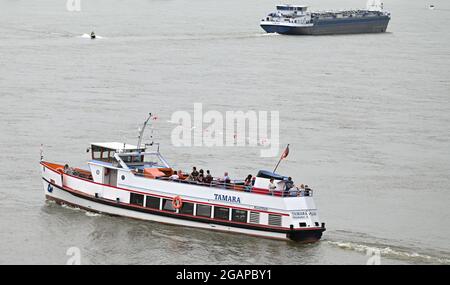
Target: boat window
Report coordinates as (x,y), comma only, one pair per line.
(203,211)
(136,199)
(239,215)
(167,205)
(96,154)
(254,217)
(152,202)
(221,213)
(275,220)
(187,208)
(132,158)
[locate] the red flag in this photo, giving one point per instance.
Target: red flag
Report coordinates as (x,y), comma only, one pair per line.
(285,153)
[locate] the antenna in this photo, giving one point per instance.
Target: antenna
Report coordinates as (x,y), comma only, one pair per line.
(42,152)
(141,133)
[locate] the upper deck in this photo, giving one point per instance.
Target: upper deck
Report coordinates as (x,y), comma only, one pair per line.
(109,159)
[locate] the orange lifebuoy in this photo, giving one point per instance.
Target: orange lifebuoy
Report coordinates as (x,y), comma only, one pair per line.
(177,202)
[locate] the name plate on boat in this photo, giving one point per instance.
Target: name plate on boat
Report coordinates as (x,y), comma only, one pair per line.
(227,198)
(303,214)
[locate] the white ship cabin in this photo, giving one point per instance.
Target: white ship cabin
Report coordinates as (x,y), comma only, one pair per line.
(289,13)
(112,160)
(291,10)
(108,158)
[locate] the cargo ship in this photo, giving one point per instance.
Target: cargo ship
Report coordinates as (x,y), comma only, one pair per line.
(298,20)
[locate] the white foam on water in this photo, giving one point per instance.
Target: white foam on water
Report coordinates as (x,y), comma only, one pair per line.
(88,36)
(387,251)
(92,214)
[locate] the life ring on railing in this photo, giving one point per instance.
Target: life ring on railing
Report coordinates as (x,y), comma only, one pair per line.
(177,202)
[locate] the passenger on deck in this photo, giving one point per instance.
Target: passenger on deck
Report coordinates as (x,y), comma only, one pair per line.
(175,175)
(226,178)
(300,188)
(288,185)
(248,183)
(208,178)
(253,180)
(272,187)
(201,176)
(68,170)
(194,174)
(293,192)
(307,190)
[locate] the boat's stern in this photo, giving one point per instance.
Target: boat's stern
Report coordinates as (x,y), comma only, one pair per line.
(304,222)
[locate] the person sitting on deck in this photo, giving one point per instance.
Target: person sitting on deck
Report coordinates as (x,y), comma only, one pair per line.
(272,187)
(174,175)
(180,174)
(307,191)
(226,178)
(299,189)
(201,176)
(248,183)
(194,174)
(294,192)
(68,170)
(208,178)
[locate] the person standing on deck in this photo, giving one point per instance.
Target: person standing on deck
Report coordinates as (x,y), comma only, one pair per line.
(272,186)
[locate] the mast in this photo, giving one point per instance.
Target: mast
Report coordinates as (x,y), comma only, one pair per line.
(141,132)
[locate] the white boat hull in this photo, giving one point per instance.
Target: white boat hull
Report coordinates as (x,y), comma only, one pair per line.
(65,198)
(92,196)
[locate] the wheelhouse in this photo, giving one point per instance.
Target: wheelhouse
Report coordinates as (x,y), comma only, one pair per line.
(291,10)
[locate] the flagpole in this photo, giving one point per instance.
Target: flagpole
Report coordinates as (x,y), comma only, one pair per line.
(281,157)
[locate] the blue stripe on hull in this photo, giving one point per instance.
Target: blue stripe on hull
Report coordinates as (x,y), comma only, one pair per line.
(334,26)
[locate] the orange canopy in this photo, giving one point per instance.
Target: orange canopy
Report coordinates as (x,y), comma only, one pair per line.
(153,172)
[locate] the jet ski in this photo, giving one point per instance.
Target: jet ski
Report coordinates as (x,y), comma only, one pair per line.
(92,35)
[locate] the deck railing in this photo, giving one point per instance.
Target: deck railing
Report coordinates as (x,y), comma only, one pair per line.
(293,192)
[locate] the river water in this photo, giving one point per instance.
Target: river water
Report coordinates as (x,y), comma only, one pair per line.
(367,118)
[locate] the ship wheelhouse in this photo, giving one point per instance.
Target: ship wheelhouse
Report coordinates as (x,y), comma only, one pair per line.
(291,10)
(292,14)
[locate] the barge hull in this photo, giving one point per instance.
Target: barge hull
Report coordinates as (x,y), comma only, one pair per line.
(332,27)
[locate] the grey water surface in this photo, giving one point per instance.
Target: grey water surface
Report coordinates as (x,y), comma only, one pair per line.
(367,117)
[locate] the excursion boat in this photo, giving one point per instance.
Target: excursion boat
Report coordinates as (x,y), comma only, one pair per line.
(137,182)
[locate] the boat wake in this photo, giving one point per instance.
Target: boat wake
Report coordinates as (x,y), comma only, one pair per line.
(389,251)
(87,36)
(87,213)
(92,214)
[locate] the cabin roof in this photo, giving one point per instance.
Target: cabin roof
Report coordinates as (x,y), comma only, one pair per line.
(269,175)
(117,146)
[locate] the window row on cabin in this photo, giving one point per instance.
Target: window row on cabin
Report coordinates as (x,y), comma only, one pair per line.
(220,213)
